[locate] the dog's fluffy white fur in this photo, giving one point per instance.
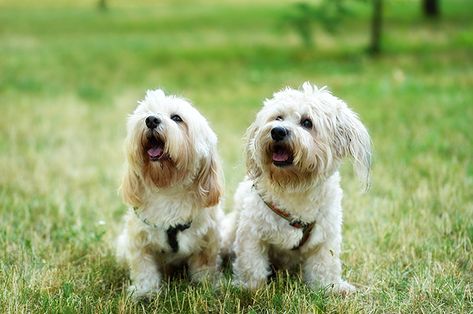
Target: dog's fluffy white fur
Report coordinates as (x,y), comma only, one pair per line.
(173,177)
(298,174)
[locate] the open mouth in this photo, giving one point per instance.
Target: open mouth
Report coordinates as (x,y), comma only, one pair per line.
(155,148)
(281,156)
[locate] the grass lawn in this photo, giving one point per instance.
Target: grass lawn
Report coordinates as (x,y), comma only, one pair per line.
(70,75)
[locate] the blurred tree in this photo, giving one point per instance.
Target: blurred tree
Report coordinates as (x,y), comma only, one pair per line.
(376,27)
(102,5)
(431,8)
(329,14)
(302,18)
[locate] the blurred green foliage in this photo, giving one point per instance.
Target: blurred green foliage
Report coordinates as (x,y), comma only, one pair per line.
(303,17)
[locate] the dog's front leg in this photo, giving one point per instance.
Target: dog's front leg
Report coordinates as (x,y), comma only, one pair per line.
(322,269)
(144,273)
(251,265)
(203,264)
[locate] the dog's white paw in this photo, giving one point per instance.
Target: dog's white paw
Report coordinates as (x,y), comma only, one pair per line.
(210,275)
(145,288)
(343,288)
(252,284)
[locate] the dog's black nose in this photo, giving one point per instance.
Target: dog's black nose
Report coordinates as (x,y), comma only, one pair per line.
(152,122)
(279,133)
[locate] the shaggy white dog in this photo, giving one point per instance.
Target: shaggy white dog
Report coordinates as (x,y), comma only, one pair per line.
(288,208)
(173,184)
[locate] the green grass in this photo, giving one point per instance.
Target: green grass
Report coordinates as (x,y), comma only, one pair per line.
(70,75)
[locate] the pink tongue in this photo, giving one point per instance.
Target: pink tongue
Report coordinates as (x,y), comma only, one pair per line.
(280,156)
(155,152)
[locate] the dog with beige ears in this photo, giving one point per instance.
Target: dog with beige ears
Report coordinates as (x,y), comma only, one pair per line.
(288,210)
(173,184)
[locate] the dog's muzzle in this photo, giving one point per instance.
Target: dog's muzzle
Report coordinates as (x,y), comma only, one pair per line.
(154,146)
(281,152)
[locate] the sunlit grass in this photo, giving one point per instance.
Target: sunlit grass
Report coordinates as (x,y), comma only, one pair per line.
(69,77)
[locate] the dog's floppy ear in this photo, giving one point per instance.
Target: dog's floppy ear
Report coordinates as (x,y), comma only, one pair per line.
(252,168)
(209,181)
(352,139)
(132,188)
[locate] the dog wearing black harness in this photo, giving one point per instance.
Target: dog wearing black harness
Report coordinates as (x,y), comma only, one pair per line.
(173,185)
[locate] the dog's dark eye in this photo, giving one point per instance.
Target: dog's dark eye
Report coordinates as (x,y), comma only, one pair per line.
(176,118)
(279,118)
(306,123)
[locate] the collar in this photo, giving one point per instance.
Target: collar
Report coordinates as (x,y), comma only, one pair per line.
(171,231)
(144,220)
(293,222)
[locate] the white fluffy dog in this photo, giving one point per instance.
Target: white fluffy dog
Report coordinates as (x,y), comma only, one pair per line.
(173,184)
(288,208)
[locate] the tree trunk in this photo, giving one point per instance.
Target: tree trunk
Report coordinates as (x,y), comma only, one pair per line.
(376,27)
(431,8)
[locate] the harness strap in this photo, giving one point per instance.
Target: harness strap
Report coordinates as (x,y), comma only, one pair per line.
(298,224)
(305,235)
(171,232)
(172,235)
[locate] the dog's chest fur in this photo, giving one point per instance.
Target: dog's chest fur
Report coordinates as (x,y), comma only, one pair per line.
(319,206)
(164,212)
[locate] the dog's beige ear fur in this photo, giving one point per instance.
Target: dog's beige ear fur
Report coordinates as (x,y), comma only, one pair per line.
(352,139)
(132,189)
(209,182)
(252,169)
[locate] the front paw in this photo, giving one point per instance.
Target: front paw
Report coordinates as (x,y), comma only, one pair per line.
(343,288)
(209,274)
(251,284)
(144,289)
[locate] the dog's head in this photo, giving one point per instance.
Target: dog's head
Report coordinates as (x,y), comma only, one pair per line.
(170,143)
(300,136)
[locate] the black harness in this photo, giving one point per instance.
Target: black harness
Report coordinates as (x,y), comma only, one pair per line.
(172,235)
